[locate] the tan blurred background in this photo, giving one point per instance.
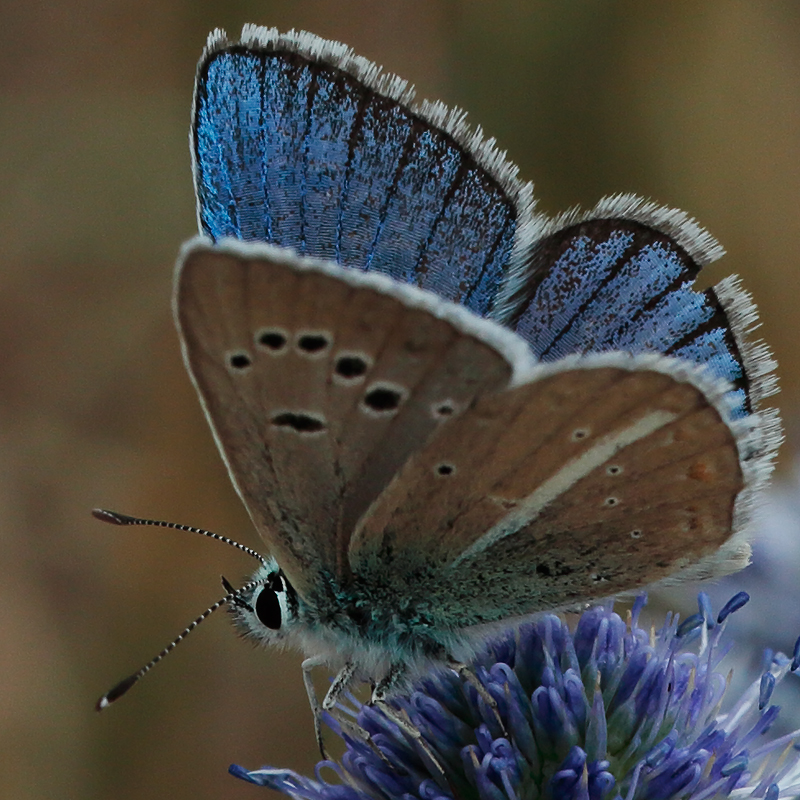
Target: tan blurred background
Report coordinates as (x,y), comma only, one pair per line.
(694,104)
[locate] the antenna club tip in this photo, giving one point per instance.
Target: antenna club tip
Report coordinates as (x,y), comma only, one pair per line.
(112,517)
(109,697)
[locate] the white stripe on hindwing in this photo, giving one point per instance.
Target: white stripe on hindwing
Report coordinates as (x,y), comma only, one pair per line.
(530,507)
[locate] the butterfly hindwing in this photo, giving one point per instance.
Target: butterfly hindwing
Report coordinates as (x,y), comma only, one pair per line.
(593,477)
(299,143)
(621,278)
(319,382)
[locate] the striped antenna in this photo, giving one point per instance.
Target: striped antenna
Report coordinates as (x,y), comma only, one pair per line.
(115,518)
(124,685)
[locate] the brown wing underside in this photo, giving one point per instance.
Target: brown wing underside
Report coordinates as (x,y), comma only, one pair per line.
(582,484)
(318,390)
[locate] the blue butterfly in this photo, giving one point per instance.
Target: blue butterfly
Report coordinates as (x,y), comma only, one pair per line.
(444,411)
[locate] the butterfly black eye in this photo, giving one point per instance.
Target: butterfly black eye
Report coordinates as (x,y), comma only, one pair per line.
(268,608)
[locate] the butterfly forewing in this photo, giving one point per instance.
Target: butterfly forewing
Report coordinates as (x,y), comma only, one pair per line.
(300,144)
(319,383)
(575,485)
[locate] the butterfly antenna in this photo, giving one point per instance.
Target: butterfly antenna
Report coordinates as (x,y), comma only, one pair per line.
(115,518)
(233,596)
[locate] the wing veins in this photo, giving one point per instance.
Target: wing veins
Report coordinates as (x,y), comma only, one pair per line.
(499,443)
(388,429)
(624,258)
(261,422)
(581,466)
(447,197)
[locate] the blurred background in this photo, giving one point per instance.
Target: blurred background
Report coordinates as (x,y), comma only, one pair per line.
(695,105)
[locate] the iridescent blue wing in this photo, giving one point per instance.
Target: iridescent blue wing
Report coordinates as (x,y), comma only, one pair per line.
(299,143)
(621,279)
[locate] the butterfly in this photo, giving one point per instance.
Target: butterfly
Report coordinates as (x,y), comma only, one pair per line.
(444,411)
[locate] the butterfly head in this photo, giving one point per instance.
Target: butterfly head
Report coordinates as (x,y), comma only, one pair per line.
(267,610)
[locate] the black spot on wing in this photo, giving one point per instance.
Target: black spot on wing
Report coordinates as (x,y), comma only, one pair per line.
(299,421)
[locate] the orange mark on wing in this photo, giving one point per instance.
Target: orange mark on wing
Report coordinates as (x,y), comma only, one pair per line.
(701,471)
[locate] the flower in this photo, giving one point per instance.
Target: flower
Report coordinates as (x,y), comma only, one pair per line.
(611,710)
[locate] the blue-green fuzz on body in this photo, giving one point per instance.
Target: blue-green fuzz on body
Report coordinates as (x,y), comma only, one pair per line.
(367,625)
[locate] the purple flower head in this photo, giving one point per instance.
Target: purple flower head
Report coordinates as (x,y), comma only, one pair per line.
(609,710)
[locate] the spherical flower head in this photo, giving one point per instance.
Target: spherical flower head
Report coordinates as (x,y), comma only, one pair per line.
(609,710)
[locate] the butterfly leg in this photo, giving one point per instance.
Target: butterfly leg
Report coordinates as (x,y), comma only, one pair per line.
(307,666)
(397,672)
(340,683)
(388,682)
(467,674)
